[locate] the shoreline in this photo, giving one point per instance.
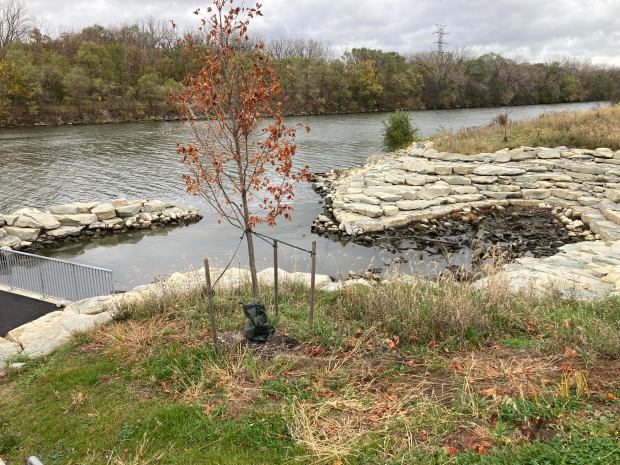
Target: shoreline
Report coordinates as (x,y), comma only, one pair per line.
(175,119)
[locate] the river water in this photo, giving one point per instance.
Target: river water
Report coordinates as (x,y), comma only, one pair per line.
(43,166)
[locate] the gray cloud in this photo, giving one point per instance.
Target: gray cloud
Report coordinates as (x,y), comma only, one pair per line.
(531,29)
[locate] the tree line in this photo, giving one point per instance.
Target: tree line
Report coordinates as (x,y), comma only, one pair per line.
(128,72)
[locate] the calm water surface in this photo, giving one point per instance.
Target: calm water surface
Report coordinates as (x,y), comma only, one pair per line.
(40,167)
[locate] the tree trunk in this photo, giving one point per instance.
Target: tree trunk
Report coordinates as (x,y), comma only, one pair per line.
(250,241)
(252,261)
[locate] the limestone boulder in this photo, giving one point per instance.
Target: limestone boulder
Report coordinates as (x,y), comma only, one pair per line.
(65,231)
(385,193)
(566,194)
(457,180)
(128,210)
(603,152)
(613,195)
(549,154)
(612,215)
(155,206)
(439,189)
(523,155)
(10,241)
(92,306)
(33,218)
(80,219)
(465,189)
(320,281)
(104,211)
(372,211)
(536,194)
(8,350)
(25,234)
(467,198)
(65,209)
(417,204)
(483,179)
(86,207)
(266,276)
(79,323)
(43,335)
(418,180)
(419,165)
(390,210)
(492,170)
(362,198)
(120,203)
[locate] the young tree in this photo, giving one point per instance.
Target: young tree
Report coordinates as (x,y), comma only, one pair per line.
(241,157)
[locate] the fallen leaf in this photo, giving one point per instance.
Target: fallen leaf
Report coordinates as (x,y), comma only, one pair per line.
(569,352)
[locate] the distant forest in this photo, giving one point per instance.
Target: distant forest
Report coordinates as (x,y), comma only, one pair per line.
(127,72)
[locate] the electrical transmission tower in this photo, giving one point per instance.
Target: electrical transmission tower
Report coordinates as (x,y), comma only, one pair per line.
(441,37)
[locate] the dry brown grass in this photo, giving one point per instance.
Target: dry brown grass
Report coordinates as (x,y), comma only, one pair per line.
(137,339)
(586,129)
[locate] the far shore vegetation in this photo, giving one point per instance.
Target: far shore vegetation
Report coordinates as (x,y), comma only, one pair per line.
(417,373)
(128,73)
(585,129)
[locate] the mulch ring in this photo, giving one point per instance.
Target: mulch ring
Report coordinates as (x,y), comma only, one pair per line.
(276,343)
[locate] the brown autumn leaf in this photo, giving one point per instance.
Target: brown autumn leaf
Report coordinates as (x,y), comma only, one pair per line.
(570,352)
(392,343)
(314,351)
(164,387)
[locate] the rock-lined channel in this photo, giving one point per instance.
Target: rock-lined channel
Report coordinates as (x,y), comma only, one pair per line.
(31,228)
(418,195)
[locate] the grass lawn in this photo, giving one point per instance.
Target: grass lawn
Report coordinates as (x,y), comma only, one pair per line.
(396,374)
(583,129)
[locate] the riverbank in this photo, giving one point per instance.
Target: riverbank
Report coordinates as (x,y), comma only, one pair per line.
(411,371)
(106,117)
(30,228)
(584,129)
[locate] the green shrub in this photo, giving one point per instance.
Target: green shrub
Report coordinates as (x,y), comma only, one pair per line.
(398,131)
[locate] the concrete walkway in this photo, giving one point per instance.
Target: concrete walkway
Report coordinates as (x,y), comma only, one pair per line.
(16,310)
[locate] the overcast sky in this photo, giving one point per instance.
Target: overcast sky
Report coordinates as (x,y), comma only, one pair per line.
(532,29)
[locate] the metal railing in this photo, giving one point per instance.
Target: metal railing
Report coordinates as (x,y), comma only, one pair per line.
(53,278)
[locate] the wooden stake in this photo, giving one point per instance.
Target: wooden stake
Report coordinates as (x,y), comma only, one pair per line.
(211,304)
(312,281)
(275,277)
